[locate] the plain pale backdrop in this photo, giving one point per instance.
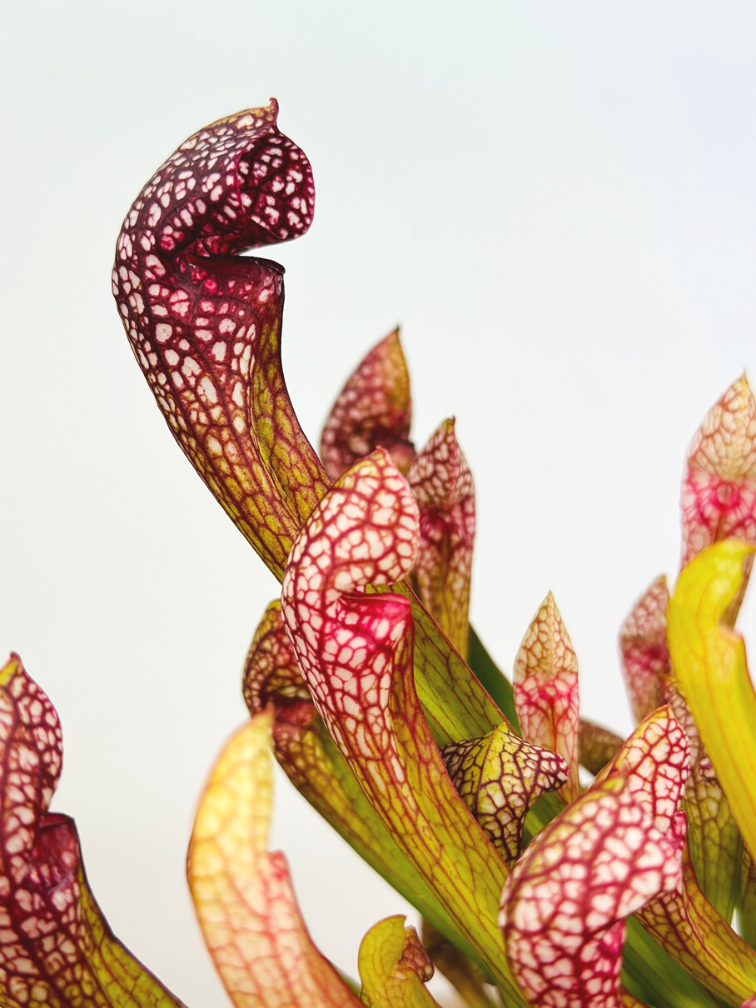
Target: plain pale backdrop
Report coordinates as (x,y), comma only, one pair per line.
(556,201)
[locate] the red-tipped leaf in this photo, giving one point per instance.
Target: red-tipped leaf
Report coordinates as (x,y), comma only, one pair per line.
(719,487)
(374,409)
(546,690)
(56,949)
(443,487)
(643,650)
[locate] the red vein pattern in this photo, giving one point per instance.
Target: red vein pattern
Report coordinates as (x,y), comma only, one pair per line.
(719,487)
(546,690)
(205,323)
(718,502)
(643,649)
(271,673)
(692,931)
(355,653)
(364,532)
(56,950)
(314,765)
(682,919)
(655,761)
(442,484)
(498,777)
(205,328)
(712,835)
(394,967)
(613,849)
(374,409)
(680,709)
(243,894)
(216,373)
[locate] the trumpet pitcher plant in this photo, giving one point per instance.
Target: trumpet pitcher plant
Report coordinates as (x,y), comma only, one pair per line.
(629,882)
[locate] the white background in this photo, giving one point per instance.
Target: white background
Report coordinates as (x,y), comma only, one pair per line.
(557,201)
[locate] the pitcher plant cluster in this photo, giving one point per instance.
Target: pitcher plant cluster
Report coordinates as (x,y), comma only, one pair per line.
(458,785)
